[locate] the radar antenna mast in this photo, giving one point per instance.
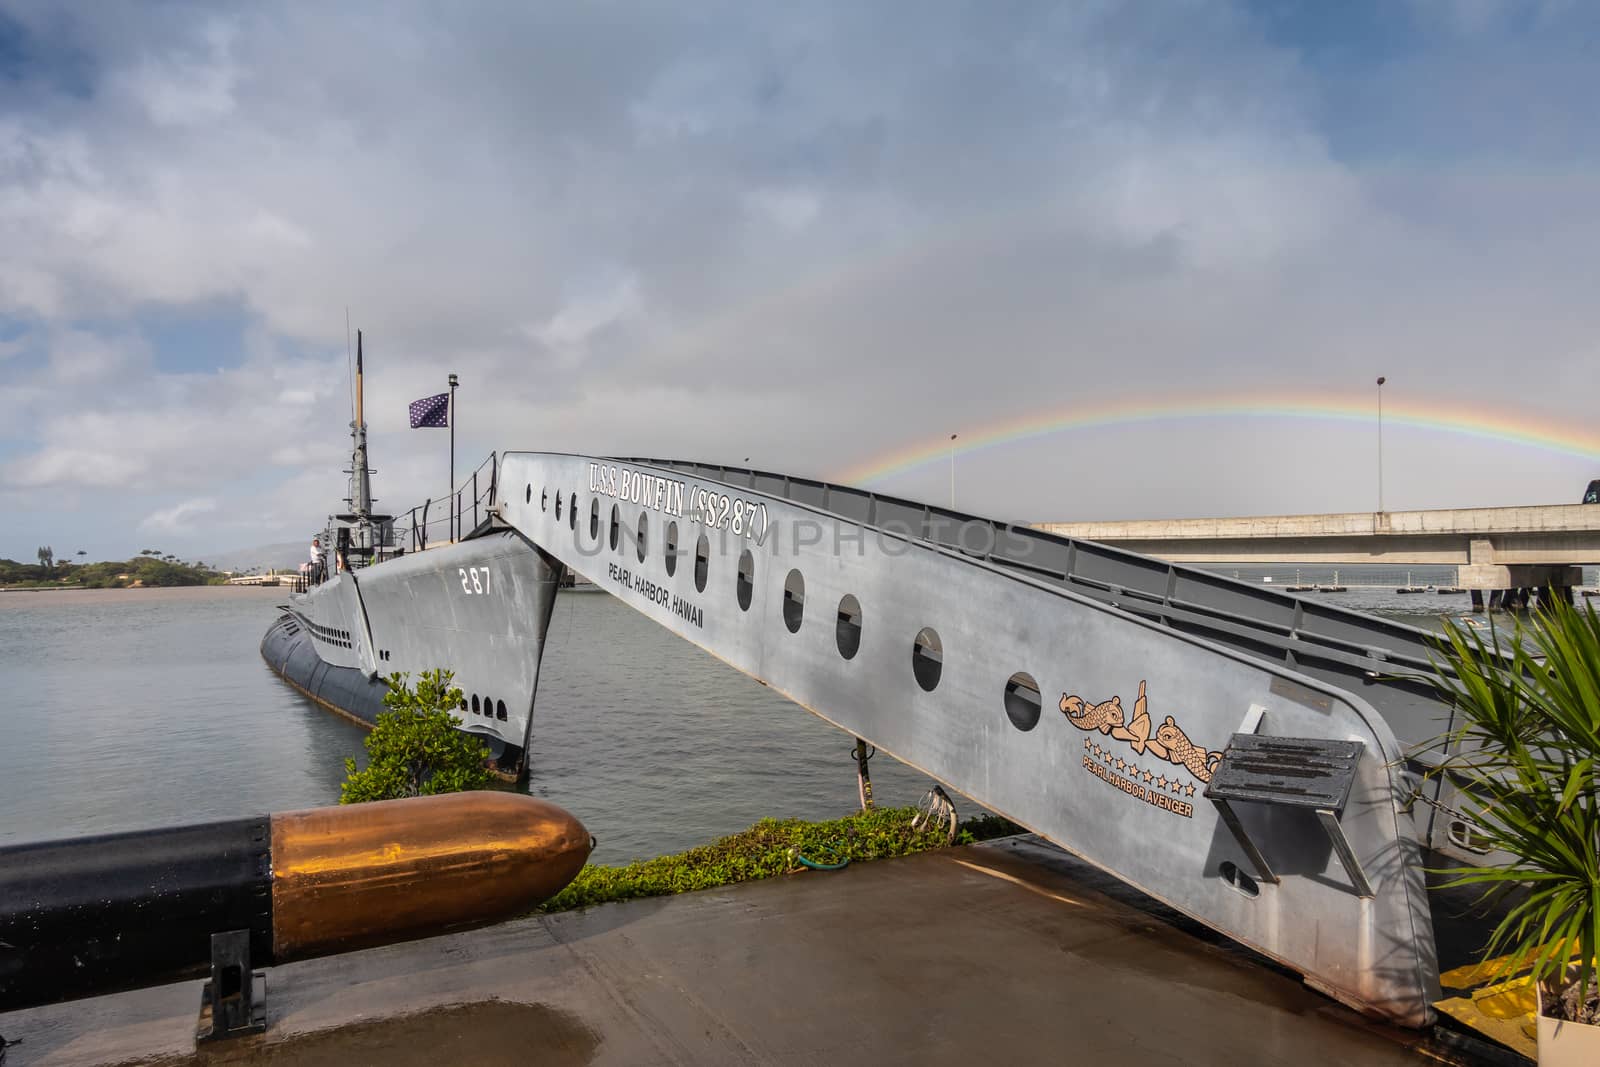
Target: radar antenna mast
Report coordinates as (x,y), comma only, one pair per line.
(360,498)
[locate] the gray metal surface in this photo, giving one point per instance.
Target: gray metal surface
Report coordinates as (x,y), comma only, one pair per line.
(1303,772)
(1083,692)
(1312,774)
(1384,661)
(479,608)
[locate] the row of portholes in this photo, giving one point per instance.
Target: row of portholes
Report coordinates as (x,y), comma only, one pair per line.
(1020,699)
(495,709)
(1021,696)
(641,543)
(340,638)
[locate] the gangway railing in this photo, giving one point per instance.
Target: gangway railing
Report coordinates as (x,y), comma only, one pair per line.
(451,517)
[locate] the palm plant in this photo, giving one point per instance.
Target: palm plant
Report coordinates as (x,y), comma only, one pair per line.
(1527,751)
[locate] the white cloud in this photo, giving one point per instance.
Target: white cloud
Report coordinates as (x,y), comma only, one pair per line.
(78,357)
(811,233)
(176,432)
(179,518)
(791,208)
(570,330)
(190,83)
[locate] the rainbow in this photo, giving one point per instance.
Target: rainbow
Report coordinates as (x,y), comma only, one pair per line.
(1535,430)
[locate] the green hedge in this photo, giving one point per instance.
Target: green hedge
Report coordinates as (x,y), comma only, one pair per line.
(771,846)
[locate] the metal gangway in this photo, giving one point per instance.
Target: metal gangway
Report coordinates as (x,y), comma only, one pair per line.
(1249,758)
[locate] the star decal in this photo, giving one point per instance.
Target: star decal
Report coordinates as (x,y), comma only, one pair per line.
(1133,770)
(1188,790)
(1088,742)
(1148,776)
(1161,783)
(1177,786)
(1121,763)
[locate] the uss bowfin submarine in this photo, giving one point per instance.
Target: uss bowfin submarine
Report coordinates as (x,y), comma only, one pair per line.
(478,606)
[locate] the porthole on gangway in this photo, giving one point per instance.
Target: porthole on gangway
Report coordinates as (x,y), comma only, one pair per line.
(927,658)
(1022,701)
(1238,880)
(746,586)
(702,562)
(616,526)
(847,632)
(594,520)
(794,600)
(670,545)
(572,510)
(643,530)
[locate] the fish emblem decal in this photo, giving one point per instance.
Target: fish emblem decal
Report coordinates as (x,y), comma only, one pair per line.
(1168,742)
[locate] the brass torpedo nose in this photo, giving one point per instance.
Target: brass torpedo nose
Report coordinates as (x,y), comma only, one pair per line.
(343,877)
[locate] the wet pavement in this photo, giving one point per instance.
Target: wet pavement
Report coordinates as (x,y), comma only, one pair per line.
(1008,952)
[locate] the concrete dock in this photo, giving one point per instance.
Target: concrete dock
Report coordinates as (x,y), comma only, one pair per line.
(1008,952)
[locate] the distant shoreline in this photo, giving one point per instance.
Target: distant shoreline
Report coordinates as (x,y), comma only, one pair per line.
(20,598)
(61,587)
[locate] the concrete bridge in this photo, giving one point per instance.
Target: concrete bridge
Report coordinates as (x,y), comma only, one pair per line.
(1494,548)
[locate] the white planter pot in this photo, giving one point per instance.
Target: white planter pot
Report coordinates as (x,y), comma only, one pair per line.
(1566,1044)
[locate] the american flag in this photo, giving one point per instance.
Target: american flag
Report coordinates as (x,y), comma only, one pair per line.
(431,411)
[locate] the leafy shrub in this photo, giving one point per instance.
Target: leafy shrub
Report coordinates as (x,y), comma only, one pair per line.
(1528,754)
(415,749)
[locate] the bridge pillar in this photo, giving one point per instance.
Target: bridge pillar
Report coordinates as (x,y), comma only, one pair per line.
(1517,575)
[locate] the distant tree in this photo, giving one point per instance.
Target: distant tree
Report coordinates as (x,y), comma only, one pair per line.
(47,557)
(81,552)
(416,750)
(149,552)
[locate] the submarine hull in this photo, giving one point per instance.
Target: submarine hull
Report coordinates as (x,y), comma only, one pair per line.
(478,608)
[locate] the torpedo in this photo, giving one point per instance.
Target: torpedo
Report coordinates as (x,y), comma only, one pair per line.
(95,914)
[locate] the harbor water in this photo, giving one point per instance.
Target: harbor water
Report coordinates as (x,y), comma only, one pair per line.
(133,708)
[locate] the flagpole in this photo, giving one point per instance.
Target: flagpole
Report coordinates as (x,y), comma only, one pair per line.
(455,520)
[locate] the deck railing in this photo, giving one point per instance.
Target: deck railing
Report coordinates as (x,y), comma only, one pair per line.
(452,516)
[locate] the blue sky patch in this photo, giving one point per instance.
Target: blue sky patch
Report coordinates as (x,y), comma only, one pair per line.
(51,60)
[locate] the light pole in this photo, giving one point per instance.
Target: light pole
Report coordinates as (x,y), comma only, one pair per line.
(455,520)
(1381,380)
(952,472)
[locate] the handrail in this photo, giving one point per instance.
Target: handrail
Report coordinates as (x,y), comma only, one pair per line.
(441,518)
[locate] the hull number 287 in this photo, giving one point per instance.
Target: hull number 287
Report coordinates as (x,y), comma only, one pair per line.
(474,580)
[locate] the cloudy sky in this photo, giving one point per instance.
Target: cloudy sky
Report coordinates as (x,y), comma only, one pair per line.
(820,236)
